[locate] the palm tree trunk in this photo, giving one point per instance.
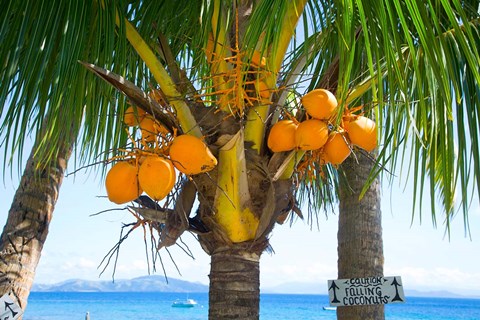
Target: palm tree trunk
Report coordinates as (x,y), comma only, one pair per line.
(27,224)
(234,285)
(360,244)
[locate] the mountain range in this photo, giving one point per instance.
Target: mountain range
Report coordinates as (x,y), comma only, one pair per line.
(140,284)
(156,283)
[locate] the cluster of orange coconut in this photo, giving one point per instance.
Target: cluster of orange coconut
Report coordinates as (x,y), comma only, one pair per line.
(315,133)
(151,167)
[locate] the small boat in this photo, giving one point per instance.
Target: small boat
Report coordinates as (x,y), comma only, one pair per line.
(330,308)
(187,303)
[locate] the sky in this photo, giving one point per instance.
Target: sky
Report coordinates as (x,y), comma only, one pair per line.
(422,255)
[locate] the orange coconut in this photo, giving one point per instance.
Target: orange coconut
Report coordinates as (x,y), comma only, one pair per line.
(133,116)
(157,177)
(151,128)
(336,150)
(191,155)
(362,133)
(282,136)
(262,89)
(122,183)
(319,103)
(258,60)
(311,134)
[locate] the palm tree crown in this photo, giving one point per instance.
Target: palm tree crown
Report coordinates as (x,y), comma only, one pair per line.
(224,74)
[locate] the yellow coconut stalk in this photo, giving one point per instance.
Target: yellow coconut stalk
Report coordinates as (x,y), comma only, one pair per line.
(219,46)
(294,11)
(255,125)
(232,196)
(184,115)
(288,166)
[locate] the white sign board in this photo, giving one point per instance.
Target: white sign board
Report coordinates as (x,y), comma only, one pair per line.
(9,310)
(365,291)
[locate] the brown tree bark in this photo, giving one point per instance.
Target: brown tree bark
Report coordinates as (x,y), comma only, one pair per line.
(234,285)
(360,244)
(27,224)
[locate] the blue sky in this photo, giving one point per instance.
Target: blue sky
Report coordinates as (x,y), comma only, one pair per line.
(422,255)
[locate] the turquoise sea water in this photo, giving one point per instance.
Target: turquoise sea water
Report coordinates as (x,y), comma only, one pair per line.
(146,306)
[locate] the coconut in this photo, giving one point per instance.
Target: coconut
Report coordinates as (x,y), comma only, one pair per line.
(319,103)
(258,60)
(336,150)
(151,128)
(262,89)
(122,183)
(133,116)
(157,177)
(362,133)
(282,136)
(311,134)
(191,155)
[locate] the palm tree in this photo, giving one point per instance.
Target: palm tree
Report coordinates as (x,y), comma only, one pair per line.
(415,112)
(204,59)
(28,221)
(31,93)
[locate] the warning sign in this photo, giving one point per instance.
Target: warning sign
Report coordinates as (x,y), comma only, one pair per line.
(365,291)
(9,310)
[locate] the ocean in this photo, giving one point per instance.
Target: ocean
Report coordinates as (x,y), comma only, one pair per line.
(150,306)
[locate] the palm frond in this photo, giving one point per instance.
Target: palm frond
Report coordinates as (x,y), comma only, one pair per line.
(41,77)
(416,65)
(413,66)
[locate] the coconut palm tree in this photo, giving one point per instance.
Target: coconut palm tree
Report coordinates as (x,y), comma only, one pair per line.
(28,221)
(226,72)
(29,84)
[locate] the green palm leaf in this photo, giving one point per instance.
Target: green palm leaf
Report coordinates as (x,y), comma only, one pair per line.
(412,65)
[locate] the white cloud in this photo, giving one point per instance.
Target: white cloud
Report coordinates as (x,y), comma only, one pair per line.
(273,274)
(451,279)
(79,264)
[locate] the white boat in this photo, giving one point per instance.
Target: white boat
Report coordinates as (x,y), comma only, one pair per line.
(187,303)
(330,308)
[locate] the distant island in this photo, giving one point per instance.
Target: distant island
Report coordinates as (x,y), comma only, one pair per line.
(141,284)
(156,283)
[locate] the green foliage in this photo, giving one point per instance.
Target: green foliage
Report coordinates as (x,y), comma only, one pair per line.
(44,91)
(413,65)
